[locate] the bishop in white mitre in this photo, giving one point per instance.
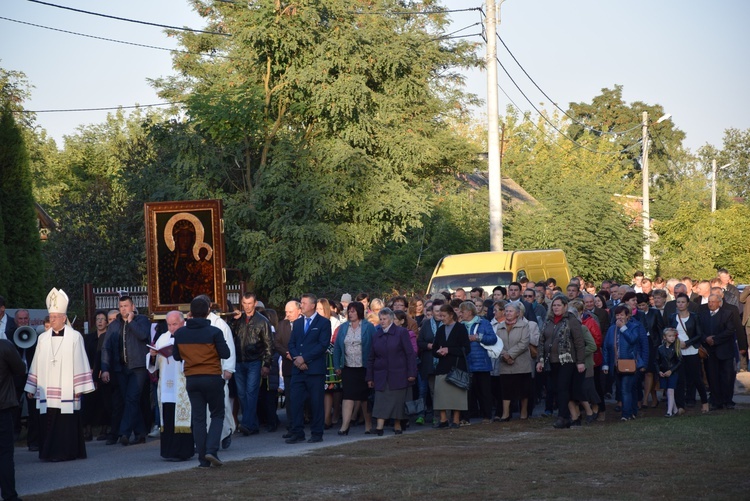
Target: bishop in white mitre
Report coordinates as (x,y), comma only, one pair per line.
(58,376)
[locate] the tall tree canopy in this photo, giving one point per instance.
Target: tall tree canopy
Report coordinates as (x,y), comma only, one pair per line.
(332,120)
(736,153)
(618,126)
(21,263)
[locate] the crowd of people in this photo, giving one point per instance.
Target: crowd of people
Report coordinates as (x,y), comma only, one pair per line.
(454,357)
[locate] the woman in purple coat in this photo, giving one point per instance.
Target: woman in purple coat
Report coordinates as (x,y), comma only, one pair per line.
(391,370)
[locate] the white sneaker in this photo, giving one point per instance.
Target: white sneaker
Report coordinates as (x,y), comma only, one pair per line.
(155,433)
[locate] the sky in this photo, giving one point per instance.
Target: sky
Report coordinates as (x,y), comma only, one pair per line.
(688,56)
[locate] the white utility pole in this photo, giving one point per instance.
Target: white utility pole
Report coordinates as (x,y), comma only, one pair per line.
(646,202)
(714,169)
(713,185)
(646,214)
(493,132)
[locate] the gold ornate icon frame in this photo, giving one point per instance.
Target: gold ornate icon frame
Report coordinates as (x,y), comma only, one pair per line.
(185,253)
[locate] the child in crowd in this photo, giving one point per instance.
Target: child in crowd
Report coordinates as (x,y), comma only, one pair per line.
(669,359)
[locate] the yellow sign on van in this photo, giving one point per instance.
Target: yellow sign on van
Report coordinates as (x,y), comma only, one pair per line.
(490,269)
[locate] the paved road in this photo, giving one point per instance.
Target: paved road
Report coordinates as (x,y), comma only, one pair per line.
(109,462)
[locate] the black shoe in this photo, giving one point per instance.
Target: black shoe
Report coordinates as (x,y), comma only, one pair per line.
(295,440)
(562,423)
(253,432)
(442,424)
(398,432)
(288,434)
(213,460)
(729,406)
(503,419)
(226,442)
(379,432)
(139,439)
(344,432)
(315,439)
(124,440)
(244,430)
(204,464)
(272,428)
(576,422)
(111,441)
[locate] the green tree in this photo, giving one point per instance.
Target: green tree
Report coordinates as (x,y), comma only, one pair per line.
(332,119)
(735,152)
(618,124)
(696,242)
(578,209)
(23,282)
(4,264)
(104,176)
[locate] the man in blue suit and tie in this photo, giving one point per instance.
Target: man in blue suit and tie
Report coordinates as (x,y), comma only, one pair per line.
(311,335)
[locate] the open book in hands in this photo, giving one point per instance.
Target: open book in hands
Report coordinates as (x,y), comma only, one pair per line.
(164,351)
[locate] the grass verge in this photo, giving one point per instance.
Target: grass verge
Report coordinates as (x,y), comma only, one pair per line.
(699,457)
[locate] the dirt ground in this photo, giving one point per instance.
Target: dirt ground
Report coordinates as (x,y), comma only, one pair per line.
(693,456)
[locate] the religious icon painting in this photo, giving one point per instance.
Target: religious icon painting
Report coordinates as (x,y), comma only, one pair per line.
(184,253)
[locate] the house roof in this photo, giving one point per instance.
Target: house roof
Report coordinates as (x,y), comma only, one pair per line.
(45,220)
(512,192)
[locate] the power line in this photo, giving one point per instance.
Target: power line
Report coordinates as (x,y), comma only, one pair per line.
(413,12)
(462,29)
(587,127)
(113,40)
(544,117)
(129,20)
(108,108)
(446,37)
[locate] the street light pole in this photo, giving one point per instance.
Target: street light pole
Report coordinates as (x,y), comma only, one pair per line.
(714,169)
(713,185)
(646,202)
(493,140)
(646,214)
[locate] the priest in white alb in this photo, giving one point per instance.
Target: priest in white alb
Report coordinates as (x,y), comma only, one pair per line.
(58,376)
(174,404)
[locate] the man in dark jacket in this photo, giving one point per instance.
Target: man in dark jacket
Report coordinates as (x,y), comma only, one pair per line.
(124,363)
(514,296)
(202,346)
(719,337)
(11,366)
(27,356)
(254,349)
(292,312)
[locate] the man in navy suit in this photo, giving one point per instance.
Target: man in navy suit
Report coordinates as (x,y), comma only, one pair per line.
(311,335)
(719,337)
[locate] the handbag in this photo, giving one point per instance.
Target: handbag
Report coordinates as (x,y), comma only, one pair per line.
(624,365)
(533,351)
(493,350)
(414,407)
(458,378)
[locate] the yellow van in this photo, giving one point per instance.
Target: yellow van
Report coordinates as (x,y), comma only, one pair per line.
(490,269)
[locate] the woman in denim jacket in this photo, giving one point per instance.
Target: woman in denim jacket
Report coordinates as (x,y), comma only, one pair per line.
(631,344)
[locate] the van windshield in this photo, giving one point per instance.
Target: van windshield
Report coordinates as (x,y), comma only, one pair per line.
(487,281)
